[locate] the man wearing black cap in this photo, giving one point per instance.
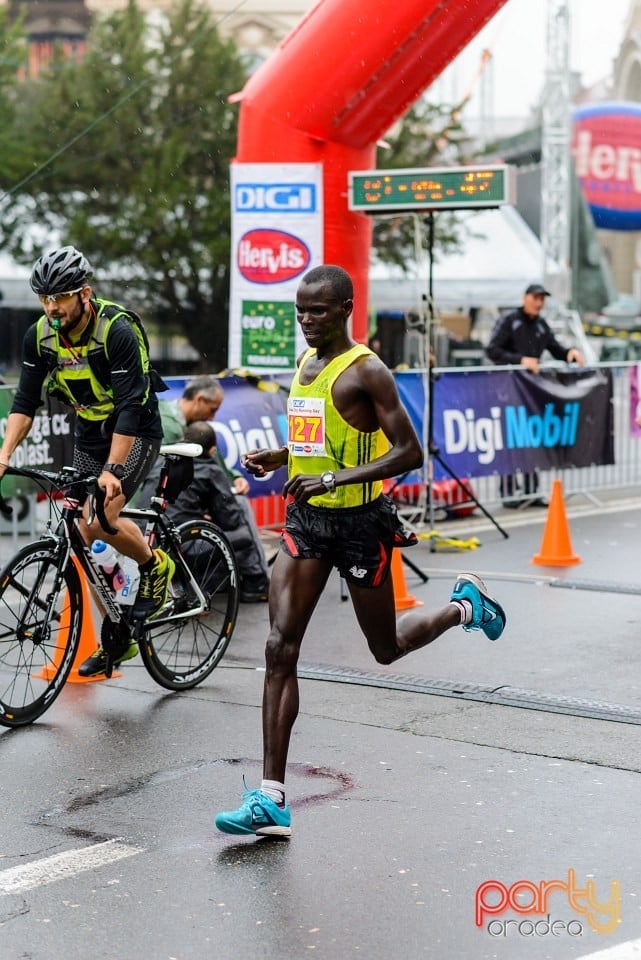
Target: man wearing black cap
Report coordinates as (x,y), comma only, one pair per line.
(520,337)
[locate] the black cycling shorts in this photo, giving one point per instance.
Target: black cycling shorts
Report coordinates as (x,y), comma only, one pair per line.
(141,459)
(357,540)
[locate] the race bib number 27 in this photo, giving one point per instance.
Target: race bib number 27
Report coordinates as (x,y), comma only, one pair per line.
(306,426)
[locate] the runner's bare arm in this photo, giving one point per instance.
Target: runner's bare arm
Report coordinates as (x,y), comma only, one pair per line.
(261,462)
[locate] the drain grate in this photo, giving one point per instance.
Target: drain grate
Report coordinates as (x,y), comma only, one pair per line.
(506,696)
(599,586)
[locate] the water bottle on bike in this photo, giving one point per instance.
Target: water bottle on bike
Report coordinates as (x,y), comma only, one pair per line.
(122,572)
(108,560)
(130,570)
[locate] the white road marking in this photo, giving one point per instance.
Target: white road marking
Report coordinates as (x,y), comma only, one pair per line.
(631,950)
(62,866)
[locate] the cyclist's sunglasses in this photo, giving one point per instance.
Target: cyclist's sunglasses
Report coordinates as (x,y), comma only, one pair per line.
(59,297)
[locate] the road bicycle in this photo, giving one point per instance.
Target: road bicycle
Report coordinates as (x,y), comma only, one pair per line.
(41,593)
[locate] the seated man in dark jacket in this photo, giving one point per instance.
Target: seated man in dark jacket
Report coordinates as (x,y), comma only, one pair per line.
(210,497)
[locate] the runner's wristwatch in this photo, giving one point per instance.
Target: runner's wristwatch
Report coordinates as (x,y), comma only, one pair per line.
(328,479)
(117,469)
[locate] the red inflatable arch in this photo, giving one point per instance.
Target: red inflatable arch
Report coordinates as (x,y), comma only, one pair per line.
(335,85)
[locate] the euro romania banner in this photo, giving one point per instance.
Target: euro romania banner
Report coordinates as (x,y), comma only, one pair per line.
(276,236)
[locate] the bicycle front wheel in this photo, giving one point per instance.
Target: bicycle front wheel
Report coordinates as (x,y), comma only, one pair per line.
(39,631)
(187,639)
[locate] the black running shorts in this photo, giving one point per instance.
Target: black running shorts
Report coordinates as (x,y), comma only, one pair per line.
(141,459)
(357,540)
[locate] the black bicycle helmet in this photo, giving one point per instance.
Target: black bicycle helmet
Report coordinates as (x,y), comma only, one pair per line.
(59,271)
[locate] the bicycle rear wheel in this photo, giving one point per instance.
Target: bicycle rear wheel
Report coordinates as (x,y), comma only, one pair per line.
(39,632)
(185,641)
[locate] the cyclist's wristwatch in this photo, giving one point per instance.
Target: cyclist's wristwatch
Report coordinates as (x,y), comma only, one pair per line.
(328,479)
(117,469)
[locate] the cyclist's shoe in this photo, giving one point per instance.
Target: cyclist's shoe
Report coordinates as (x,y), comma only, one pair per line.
(154,587)
(96,664)
(254,590)
(487,614)
(258,814)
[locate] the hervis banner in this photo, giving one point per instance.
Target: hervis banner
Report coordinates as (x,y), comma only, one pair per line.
(606,146)
(276,236)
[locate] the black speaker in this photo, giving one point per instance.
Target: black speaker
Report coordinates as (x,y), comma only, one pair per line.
(391,328)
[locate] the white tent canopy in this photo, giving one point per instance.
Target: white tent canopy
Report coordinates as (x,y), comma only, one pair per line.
(499,257)
(14,284)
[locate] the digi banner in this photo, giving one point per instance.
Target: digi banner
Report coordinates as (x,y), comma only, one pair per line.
(253,414)
(498,422)
(276,236)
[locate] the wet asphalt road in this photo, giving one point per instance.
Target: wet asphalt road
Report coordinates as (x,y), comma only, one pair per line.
(403,802)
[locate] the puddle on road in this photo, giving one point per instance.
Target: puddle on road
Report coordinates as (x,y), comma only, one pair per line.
(339,781)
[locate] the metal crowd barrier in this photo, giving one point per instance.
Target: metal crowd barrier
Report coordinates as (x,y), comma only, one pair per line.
(624,474)
(588,482)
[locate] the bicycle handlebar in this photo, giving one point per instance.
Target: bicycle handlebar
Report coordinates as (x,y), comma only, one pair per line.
(68,477)
(63,480)
(38,475)
(97,508)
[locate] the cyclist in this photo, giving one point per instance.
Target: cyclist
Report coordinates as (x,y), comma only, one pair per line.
(92,354)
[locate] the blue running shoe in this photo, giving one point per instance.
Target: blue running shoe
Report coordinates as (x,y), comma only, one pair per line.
(258,814)
(487,614)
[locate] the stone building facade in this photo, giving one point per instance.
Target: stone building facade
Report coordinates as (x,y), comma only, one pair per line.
(623,249)
(257,26)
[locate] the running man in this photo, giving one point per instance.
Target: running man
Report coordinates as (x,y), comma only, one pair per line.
(347,432)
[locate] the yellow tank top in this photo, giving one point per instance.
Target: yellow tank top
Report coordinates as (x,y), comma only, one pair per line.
(319,439)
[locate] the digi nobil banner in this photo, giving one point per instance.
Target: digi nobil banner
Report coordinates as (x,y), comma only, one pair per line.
(501,421)
(276,236)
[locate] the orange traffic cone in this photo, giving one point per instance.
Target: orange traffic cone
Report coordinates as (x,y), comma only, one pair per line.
(556,547)
(402,599)
(88,638)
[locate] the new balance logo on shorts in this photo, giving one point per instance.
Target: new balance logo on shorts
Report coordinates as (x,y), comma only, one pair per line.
(358,572)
